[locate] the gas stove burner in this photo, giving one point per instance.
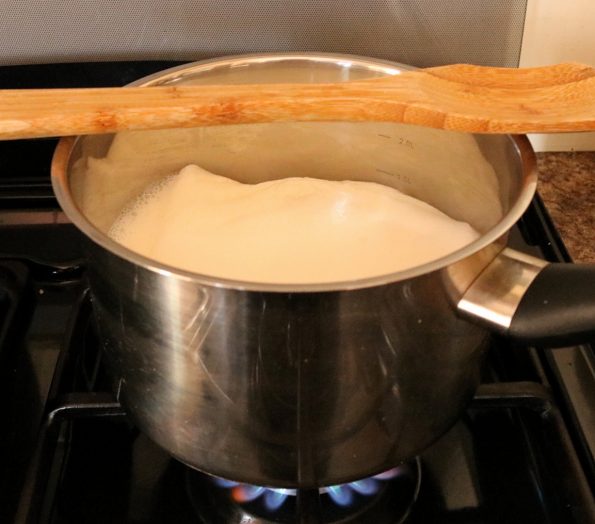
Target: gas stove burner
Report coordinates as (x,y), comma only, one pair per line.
(273,498)
(383,499)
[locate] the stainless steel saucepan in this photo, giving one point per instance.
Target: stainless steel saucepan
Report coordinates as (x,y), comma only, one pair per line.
(312,385)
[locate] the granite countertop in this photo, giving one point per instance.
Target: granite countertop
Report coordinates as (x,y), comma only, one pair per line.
(567,187)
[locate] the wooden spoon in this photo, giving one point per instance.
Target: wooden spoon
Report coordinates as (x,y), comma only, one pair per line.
(458,97)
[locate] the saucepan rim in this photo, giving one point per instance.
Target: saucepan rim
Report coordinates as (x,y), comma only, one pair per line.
(60,176)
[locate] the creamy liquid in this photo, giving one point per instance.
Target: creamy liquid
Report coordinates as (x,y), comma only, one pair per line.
(293,230)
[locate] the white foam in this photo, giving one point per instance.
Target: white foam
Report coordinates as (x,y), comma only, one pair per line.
(292,230)
(124,224)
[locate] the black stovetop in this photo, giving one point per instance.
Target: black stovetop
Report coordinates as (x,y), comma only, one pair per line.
(523,452)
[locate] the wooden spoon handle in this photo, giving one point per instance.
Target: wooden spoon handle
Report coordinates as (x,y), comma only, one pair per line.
(459,97)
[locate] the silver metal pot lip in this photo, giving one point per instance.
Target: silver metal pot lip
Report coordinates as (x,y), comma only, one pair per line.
(59,176)
(166,75)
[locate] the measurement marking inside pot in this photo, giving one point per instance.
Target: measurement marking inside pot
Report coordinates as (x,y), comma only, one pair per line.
(402,141)
(406,142)
(398,176)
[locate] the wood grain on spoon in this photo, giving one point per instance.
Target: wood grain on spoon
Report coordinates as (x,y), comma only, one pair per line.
(466,98)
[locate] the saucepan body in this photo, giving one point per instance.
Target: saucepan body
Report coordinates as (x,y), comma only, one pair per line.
(304,385)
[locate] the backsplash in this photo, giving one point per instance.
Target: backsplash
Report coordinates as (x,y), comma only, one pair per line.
(556,32)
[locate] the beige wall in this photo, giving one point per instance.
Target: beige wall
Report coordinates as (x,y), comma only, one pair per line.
(560,31)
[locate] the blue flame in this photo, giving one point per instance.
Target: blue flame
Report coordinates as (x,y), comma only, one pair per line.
(248,493)
(274,498)
(224,483)
(365,486)
(342,495)
(388,475)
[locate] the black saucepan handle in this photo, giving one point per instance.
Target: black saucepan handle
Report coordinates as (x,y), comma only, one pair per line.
(558,308)
(534,302)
